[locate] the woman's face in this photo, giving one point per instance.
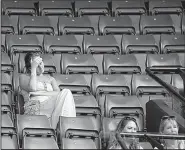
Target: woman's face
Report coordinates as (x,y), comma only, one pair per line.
(40,68)
(130,127)
(171,127)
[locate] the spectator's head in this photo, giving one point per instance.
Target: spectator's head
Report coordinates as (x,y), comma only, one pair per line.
(127,124)
(168,125)
(28,60)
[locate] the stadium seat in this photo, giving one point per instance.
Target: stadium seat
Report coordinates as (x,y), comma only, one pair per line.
(102,44)
(102,85)
(22,44)
(118,25)
(39,139)
(121,106)
(181,58)
(78,144)
(78,127)
(75,82)
(19,8)
(63,44)
(6,64)
(139,44)
(6,82)
(9,138)
(78,25)
(160,24)
(78,64)
(9,24)
(158,63)
(130,7)
(3,48)
(91,8)
(178,83)
(145,85)
(51,63)
(6,120)
(87,106)
(172,43)
(38,25)
(31,121)
(56,8)
(165,7)
(121,64)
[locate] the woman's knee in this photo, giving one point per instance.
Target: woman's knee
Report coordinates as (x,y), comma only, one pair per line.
(67,91)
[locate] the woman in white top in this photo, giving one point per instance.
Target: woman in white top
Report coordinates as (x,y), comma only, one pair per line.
(169,126)
(41,93)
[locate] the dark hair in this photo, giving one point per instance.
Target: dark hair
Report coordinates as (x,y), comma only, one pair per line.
(27,60)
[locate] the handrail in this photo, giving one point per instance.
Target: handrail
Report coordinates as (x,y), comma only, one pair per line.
(154,135)
(167,86)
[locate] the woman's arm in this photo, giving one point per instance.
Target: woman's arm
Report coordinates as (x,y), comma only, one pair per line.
(54,84)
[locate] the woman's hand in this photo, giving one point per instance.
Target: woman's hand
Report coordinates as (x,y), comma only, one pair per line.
(36,62)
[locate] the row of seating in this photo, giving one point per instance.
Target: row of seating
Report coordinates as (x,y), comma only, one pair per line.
(100,64)
(94,7)
(93,25)
(89,44)
(80,132)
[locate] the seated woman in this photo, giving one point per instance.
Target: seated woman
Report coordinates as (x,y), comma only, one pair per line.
(129,125)
(41,93)
(168,125)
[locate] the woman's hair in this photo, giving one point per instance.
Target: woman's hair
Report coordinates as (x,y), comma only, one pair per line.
(121,125)
(124,122)
(165,120)
(27,60)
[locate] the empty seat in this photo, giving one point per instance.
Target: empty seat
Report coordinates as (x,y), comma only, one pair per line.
(9,138)
(6,64)
(76,83)
(165,7)
(139,44)
(39,139)
(87,106)
(102,44)
(38,25)
(6,82)
(78,64)
(172,43)
(130,7)
(118,25)
(63,44)
(121,106)
(9,24)
(181,58)
(22,44)
(3,48)
(110,84)
(78,144)
(91,8)
(177,82)
(145,85)
(163,63)
(78,25)
(6,121)
(31,121)
(160,24)
(7,99)
(19,8)
(79,127)
(55,8)
(51,63)
(108,125)
(120,64)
